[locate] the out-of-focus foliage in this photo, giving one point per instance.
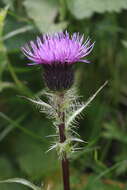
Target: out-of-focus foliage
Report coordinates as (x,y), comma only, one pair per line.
(45,20)
(3,57)
(86,8)
(102,164)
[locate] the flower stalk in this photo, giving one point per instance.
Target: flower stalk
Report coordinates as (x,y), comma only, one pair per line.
(64,161)
(57,53)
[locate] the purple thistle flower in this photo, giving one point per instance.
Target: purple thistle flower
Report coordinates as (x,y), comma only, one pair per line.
(57,53)
(58,48)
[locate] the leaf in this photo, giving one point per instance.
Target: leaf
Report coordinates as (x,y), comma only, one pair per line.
(3,57)
(17,125)
(77,139)
(3,13)
(20,86)
(10,3)
(6,167)
(122,169)
(9,128)
(39,102)
(52,147)
(92,184)
(108,170)
(43,13)
(113,131)
(124,43)
(18,31)
(56,27)
(21,181)
(30,152)
(4,85)
(8,170)
(78,111)
(85,8)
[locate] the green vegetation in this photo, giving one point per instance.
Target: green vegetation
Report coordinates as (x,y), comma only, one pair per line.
(102,164)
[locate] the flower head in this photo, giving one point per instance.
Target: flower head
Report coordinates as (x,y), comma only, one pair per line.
(57,53)
(58,48)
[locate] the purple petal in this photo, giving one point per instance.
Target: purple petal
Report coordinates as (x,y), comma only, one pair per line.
(59,47)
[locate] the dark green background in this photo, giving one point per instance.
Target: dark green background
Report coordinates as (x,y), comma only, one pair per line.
(102,165)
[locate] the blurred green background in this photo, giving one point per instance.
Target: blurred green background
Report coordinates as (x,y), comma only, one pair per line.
(102,165)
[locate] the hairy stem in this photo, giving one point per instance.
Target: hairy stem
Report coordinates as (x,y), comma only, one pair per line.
(65,161)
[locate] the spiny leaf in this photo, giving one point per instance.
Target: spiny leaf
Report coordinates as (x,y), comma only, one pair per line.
(23,182)
(71,119)
(76,139)
(52,147)
(39,102)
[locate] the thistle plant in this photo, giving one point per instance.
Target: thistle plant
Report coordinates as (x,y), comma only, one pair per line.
(57,54)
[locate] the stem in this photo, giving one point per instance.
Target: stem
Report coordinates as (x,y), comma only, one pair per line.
(65,161)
